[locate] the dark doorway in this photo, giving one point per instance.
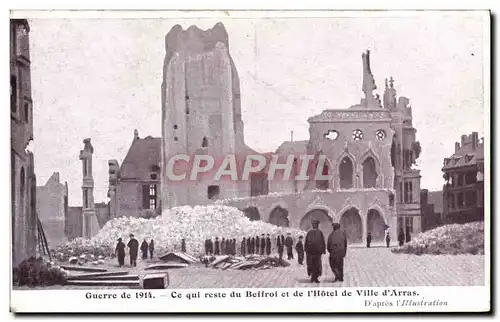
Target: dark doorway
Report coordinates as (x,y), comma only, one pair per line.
(375,225)
(252,213)
(351,223)
(325,222)
(279,217)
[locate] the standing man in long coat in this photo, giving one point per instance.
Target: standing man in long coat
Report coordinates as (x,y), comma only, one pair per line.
(243,247)
(151,248)
(262,244)
(206,247)
(216,246)
(401,237)
(299,248)
(314,247)
(144,249)
(289,246)
(133,246)
(280,247)
(223,246)
(408,235)
(337,247)
(120,252)
(268,245)
(249,246)
(210,246)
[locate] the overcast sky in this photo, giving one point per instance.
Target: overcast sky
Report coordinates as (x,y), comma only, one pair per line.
(101,78)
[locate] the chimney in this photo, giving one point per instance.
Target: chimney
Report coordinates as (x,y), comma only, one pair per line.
(457,147)
(464,140)
(136,134)
(475,140)
(424,196)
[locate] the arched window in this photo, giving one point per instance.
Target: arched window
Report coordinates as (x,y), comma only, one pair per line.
(369,173)
(204,143)
(346,171)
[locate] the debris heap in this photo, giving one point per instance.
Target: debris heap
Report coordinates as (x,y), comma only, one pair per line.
(193,224)
(244,263)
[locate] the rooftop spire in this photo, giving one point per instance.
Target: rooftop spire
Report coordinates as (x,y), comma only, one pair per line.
(390,94)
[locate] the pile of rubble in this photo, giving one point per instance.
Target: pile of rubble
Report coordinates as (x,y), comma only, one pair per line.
(243,263)
(193,224)
(86,258)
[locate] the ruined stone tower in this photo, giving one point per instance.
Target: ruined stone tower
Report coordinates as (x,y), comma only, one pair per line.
(90,225)
(201,108)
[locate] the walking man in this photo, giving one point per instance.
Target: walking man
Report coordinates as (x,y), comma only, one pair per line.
(133,246)
(314,247)
(337,247)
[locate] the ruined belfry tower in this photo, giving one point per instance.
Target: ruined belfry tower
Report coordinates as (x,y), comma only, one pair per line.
(90,225)
(201,108)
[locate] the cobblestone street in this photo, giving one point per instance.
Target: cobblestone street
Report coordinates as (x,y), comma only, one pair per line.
(364,267)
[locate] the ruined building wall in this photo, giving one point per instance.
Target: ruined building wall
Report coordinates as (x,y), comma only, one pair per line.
(51,205)
(23,180)
(201,112)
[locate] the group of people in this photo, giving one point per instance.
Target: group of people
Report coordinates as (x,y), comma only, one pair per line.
(222,247)
(402,237)
(133,246)
(255,245)
(315,246)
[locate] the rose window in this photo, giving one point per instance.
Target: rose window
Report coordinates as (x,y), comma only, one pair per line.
(380,134)
(331,135)
(357,135)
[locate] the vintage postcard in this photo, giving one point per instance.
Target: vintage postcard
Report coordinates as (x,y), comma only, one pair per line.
(250,161)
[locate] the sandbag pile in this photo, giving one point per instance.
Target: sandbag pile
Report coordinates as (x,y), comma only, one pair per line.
(38,272)
(194,224)
(244,263)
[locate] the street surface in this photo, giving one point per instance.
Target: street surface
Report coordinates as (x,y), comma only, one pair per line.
(364,267)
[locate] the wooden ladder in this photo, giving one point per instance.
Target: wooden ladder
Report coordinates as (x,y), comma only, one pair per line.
(43,245)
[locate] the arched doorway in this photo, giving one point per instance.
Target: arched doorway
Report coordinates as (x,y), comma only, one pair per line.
(279,217)
(375,225)
(369,173)
(325,222)
(251,213)
(351,223)
(346,171)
